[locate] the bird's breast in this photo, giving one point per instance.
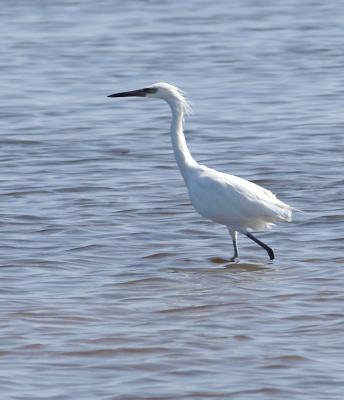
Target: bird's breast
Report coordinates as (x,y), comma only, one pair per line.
(208,199)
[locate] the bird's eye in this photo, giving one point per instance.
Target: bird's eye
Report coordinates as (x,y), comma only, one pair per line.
(150,90)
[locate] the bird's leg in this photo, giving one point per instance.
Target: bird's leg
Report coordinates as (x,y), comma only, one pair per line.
(265,247)
(233,233)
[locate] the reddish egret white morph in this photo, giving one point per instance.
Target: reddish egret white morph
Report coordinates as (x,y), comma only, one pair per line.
(229,200)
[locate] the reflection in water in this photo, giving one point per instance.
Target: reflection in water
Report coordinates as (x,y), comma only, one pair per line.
(248,267)
(237,265)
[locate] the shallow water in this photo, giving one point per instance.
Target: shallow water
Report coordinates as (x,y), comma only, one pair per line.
(112,286)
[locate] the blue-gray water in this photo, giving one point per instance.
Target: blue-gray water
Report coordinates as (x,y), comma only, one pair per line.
(112,287)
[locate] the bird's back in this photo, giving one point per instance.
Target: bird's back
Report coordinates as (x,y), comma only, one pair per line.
(233,201)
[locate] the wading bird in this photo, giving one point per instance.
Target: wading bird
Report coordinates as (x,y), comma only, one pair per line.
(240,205)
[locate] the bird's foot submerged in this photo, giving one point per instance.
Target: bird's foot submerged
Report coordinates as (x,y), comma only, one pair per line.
(233,234)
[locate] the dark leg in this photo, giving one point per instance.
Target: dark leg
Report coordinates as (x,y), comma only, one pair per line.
(265,247)
(234,239)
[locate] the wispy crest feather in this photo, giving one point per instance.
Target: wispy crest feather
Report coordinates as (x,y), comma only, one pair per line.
(177,93)
(186,105)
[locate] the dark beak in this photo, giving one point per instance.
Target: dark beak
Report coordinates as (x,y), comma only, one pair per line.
(140,93)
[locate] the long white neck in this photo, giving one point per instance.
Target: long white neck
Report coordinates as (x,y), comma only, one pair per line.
(181,152)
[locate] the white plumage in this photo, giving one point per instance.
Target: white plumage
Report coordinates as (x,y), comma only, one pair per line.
(239,204)
(235,202)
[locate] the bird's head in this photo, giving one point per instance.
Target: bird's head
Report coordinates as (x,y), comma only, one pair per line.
(160,90)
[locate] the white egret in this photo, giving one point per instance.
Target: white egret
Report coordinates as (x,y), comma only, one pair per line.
(240,205)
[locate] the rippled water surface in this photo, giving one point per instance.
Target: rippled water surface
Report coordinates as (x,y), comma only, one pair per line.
(112,287)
